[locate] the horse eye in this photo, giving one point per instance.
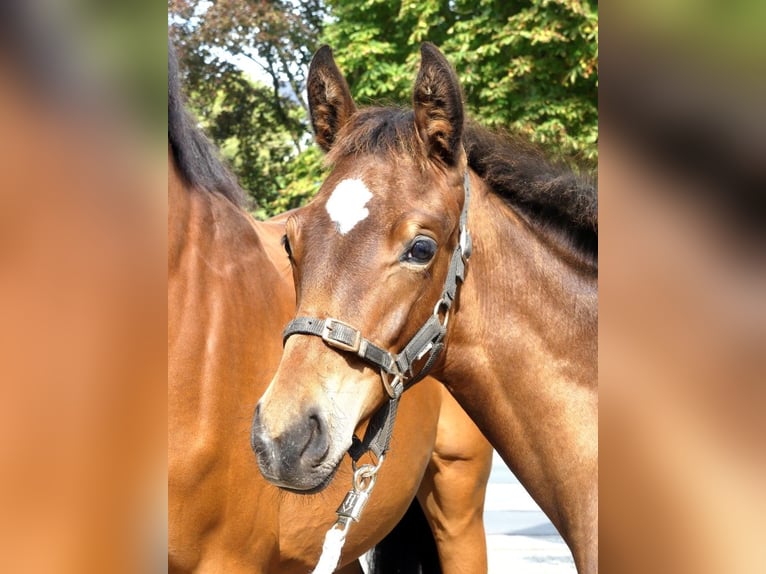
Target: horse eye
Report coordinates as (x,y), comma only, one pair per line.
(421,251)
(286,245)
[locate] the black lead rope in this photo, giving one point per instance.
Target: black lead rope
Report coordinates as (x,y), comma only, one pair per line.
(427,342)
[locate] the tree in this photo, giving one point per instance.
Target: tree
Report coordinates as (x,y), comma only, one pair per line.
(260,126)
(527,66)
(531,67)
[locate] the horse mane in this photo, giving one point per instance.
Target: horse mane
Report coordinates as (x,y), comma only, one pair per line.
(194,154)
(549,192)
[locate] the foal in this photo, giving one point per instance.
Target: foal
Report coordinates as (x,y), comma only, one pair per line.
(383,256)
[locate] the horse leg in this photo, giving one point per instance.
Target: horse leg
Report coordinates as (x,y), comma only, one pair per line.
(453,488)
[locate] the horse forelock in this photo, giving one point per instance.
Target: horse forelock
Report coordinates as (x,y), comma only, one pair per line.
(378,131)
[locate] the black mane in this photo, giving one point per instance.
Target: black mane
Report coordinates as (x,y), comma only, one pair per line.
(550,193)
(196,157)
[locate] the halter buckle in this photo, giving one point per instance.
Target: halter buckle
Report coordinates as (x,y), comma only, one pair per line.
(341,335)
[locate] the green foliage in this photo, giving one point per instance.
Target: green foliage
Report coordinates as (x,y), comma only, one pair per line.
(261,127)
(305,175)
(250,135)
(526,66)
(531,67)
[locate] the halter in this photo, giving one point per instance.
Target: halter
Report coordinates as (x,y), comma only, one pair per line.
(427,342)
(396,370)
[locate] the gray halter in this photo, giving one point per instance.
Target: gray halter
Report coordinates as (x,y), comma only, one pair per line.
(427,342)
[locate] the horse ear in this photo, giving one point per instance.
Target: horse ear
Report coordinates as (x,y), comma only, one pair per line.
(438,104)
(330,102)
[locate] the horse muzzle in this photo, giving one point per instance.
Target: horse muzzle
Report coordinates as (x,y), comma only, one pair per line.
(297,458)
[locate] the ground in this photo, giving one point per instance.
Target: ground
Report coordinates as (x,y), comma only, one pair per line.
(520,538)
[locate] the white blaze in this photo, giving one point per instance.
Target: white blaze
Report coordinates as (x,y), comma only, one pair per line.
(346,205)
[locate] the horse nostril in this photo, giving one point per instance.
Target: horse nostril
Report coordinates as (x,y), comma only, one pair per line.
(318,444)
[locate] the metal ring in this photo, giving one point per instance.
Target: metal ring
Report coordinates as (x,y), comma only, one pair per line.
(364,472)
(439,304)
(393,388)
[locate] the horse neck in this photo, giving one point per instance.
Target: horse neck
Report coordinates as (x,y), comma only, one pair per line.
(227,304)
(521,358)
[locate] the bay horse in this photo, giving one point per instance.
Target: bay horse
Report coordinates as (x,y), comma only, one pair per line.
(433,240)
(230,291)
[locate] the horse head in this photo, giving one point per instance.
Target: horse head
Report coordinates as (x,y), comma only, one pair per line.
(371,256)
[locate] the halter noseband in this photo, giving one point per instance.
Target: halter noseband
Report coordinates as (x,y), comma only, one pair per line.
(427,341)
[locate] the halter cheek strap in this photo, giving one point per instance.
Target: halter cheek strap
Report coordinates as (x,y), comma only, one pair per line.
(396,370)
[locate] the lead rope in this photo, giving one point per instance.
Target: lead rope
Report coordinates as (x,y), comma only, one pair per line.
(428,340)
(376,439)
(349,510)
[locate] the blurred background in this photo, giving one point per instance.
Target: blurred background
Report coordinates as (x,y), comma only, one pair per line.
(679,143)
(682,331)
(82,286)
